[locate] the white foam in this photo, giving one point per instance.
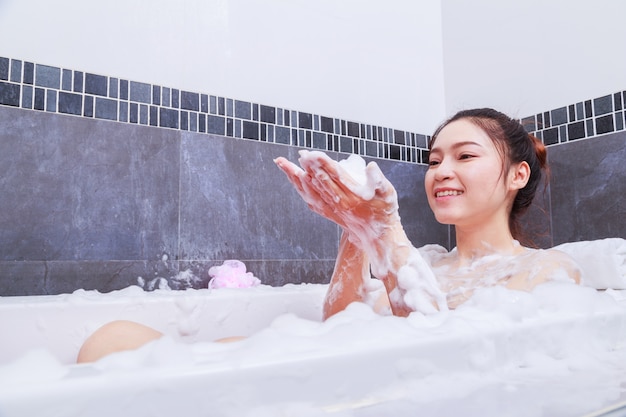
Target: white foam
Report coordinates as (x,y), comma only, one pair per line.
(557,350)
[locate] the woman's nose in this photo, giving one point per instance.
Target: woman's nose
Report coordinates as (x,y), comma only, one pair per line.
(444,170)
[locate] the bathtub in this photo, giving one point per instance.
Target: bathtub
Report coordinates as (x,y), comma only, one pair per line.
(558,351)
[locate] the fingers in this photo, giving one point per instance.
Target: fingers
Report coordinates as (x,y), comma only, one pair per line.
(334,184)
(319,162)
(309,188)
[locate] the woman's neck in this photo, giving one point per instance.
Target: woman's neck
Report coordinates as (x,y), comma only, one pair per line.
(472,244)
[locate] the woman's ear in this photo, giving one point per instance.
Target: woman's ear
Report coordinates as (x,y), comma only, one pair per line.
(520,174)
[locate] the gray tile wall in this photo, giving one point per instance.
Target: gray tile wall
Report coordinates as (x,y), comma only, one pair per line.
(107,182)
(96,204)
(588,189)
(64,91)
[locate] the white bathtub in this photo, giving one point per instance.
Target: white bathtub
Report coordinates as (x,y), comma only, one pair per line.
(560,351)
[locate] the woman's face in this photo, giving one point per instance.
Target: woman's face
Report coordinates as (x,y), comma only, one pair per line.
(465,182)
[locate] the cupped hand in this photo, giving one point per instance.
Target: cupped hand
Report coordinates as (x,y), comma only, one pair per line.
(359,207)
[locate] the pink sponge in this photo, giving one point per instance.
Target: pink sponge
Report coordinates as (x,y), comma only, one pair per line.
(232,274)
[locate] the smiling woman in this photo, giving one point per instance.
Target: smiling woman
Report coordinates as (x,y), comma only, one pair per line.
(484,172)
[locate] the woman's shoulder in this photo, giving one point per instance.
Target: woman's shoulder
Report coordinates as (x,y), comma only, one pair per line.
(552,265)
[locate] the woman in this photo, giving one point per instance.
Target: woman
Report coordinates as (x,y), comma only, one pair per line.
(483,174)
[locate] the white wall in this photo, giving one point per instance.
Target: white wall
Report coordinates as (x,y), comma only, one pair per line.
(528,56)
(367,61)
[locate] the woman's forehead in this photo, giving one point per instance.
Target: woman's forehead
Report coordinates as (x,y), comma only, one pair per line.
(462,132)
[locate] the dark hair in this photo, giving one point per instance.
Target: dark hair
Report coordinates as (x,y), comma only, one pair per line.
(515,145)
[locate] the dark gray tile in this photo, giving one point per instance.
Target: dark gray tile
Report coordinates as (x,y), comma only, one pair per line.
(576,130)
(230,107)
(243,110)
(124,89)
(29,73)
(603,105)
(184,120)
(140,92)
(83,189)
(168,117)
(293,271)
(143,114)
(580,113)
(96,84)
(559,116)
(106,108)
(66,83)
(175,98)
(22,278)
(46,76)
(78,81)
(190,101)
(166,96)
(271,272)
(51,101)
(123,110)
(319,140)
(604,124)
(236,204)
(40,96)
(588,195)
(282,135)
(87,106)
(113,87)
(268,114)
(4,68)
(9,94)
(216,125)
(134,113)
(27,97)
(250,130)
(193,121)
(16,71)
(105,276)
(305,121)
(63,277)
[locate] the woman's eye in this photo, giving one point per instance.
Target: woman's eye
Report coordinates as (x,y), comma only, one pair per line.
(466,156)
(433,163)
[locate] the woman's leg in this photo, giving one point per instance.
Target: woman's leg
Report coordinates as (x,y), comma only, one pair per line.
(116,336)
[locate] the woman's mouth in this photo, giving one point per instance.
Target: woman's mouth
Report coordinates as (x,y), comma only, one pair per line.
(447,193)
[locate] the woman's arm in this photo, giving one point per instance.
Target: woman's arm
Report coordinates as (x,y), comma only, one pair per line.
(348,283)
(368,213)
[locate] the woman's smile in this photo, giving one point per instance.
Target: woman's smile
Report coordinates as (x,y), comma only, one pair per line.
(447,192)
(465,176)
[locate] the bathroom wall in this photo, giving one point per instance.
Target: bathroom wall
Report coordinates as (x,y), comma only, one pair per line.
(366,61)
(559,66)
(586,148)
(137,145)
(526,57)
(108,182)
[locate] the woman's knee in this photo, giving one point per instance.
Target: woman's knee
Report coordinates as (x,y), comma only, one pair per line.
(116,336)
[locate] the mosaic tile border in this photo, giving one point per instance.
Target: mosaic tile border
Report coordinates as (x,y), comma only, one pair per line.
(64,91)
(583,120)
(52,89)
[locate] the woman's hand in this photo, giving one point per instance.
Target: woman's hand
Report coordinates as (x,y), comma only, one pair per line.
(365,204)
(363,208)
